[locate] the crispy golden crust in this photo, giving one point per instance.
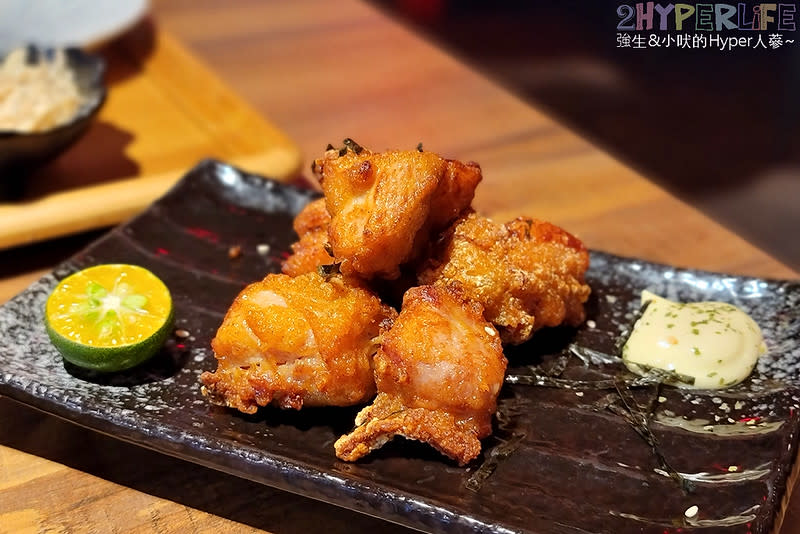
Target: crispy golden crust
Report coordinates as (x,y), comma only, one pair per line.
(386,417)
(527,274)
(385,206)
(312,218)
(297,341)
(455,192)
(438,371)
(309,252)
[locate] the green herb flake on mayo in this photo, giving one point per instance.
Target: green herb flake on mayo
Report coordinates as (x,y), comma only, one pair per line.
(715,343)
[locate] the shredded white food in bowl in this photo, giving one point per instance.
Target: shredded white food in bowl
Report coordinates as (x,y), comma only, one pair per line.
(36,97)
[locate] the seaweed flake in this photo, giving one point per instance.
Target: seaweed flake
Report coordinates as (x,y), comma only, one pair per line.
(656,376)
(592,356)
(559,366)
(329,147)
(499,453)
(329,270)
(639,418)
(603,403)
(669,377)
(419,147)
(352,145)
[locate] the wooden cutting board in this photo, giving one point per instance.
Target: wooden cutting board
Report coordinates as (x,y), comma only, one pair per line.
(165,111)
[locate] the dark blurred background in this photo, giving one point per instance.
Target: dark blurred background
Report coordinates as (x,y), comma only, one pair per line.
(716,128)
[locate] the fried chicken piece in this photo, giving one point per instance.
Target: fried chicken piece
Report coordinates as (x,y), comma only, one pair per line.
(309,252)
(527,274)
(384,207)
(314,217)
(439,371)
(296,342)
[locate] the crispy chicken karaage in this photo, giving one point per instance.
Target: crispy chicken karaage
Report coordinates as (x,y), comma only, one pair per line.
(322,337)
(527,274)
(438,372)
(303,341)
(385,206)
(310,251)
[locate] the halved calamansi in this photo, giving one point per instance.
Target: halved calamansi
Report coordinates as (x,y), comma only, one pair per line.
(109,317)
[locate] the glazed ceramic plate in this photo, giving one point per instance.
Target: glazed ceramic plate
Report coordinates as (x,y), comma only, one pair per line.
(559,460)
(59,23)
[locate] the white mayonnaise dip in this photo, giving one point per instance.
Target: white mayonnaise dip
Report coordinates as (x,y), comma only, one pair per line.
(715,343)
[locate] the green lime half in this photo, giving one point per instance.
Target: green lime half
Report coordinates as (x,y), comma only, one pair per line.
(109,317)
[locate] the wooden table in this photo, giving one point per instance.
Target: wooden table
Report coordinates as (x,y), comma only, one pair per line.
(323,72)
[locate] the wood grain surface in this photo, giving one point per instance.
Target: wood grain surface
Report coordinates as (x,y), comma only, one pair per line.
(323,72)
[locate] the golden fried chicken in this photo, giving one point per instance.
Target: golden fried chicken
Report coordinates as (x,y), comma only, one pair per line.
(527,274)
(384,207)
(313,217)
(297,341)
(309,252)
(438,371)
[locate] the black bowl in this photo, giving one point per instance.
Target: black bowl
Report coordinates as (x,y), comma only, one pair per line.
(21,152)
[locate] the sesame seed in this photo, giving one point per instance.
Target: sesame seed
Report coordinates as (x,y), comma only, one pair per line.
(489,330)
(691,512)
(182,333)
(733,468)
(591,324)
(262,249)
(662,399)
(579,393)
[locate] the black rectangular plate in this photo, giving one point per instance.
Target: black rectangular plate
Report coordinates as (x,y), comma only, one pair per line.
(560,463)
